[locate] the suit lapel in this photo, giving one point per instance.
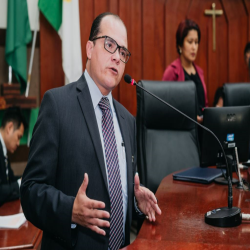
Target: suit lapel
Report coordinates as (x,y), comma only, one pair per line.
(85,102)
(125,135)
(2,164)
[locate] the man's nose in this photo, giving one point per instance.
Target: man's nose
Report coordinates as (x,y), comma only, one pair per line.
(116,56)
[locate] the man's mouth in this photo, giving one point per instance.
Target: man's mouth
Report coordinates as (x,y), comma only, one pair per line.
(114,70)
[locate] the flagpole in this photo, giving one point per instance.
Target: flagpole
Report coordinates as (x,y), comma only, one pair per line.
(10,75)
(31,59)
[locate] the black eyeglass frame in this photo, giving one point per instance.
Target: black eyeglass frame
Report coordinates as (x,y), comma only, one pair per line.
(117,46)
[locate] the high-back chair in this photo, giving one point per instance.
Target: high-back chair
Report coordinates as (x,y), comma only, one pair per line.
(166,140)
(236,94)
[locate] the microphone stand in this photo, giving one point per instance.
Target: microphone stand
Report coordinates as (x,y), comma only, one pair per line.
(220,217)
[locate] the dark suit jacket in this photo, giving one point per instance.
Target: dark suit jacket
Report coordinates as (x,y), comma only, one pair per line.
(65,145)
(9,189)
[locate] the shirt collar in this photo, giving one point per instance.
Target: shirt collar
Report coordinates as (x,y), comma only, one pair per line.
(3,145)
(95,93)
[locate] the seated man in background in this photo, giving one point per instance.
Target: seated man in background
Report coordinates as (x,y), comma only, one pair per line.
(11,131)
(219,97)
(247,53)
(247,56)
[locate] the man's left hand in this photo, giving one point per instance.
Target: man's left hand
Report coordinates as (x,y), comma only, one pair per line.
(146,200)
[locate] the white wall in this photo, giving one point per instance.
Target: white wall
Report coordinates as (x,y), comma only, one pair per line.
(32,9)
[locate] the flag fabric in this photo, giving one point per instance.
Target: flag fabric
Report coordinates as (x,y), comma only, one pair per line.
(52,10)
(71,40)
(18,35)
(64,17)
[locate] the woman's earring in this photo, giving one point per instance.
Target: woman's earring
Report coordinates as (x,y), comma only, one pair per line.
(180,51)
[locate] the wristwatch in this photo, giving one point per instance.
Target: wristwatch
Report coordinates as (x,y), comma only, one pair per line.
(138,211)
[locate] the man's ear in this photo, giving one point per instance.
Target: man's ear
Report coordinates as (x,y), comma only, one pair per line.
(9,127)
(89,49)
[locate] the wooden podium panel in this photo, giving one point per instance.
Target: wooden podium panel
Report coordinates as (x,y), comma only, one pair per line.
(11,97)
(182,225)
(26,236)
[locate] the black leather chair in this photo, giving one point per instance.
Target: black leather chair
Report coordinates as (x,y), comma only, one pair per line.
(166,140)
(236,94)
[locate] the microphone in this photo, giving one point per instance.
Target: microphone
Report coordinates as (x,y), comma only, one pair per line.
(220,217)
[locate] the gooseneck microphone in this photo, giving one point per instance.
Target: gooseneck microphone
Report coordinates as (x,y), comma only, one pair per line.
(220,217)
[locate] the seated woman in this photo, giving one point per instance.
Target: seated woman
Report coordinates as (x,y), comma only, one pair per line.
(183,68)
(219,97)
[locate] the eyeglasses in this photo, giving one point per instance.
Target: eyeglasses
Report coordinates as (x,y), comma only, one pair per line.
(111,46)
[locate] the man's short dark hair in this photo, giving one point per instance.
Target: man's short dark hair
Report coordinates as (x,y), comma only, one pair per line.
(247,48)
(95,29)
(13,115)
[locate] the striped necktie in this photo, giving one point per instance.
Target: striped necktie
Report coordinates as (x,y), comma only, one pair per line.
(114,177)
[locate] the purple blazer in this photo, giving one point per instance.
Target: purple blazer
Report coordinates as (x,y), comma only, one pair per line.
(175,72)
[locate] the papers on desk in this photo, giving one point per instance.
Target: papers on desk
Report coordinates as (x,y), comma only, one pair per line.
(12,221)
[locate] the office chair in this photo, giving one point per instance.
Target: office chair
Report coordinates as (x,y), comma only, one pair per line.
(236,94)
(166,140)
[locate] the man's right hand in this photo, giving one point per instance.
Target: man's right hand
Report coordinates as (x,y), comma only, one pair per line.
(87,213)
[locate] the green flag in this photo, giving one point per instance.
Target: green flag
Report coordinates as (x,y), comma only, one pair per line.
(17,36)
(52,10)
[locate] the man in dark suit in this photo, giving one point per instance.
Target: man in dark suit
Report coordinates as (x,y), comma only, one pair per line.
(80,185)
(11,132)
(247,57)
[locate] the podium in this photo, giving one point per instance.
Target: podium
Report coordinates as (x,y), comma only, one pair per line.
(11,96)
(27,236)
(181,224)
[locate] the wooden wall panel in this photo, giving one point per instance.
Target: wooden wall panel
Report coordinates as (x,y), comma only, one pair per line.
(222,58)
(153,39)
(237,39)
(175,12)
(247,6)
(151,26)
(86,18)
(100,6)
(135,40)
(148,38)
(51,72)
(158,51)
(127,93)
(114,6)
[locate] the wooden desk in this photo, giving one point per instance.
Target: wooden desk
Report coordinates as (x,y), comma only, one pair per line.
(25,237)
(182,225)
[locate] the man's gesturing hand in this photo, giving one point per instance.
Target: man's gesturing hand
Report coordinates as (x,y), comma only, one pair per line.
(146,200)
(87,213)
